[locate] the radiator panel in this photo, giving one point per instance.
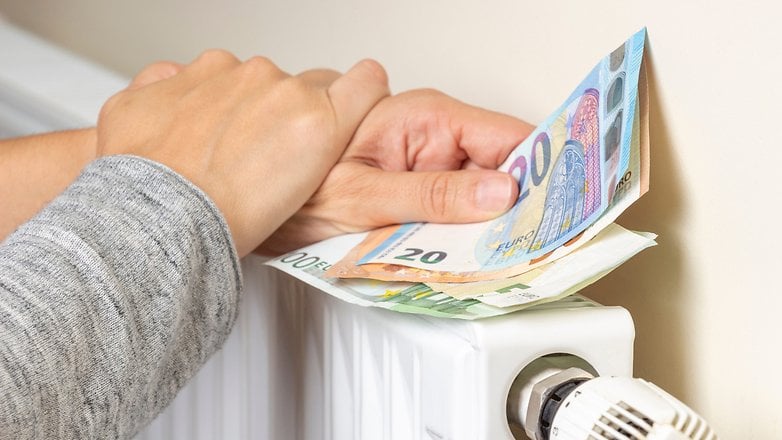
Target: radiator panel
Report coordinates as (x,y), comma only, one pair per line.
(303,365)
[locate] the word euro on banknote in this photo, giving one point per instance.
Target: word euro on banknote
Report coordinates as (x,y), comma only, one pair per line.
(577,172)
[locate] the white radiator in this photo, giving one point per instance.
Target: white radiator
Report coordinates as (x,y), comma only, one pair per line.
(303,365)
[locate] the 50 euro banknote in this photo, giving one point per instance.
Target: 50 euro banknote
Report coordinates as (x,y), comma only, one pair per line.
(613,246)
(581,168)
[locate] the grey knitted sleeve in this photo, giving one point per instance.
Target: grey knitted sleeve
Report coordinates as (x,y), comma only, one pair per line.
(110,300)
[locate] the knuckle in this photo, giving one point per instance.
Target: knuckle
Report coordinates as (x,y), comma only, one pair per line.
(258,71)
(310,102)
(159,66)
(166,68)
(374,69)
(314,120)
(428,93)
(155,72)
(434,100)
(147,70)
(111,104)
(260,64)
(319,77)
(319,72)
(216,56)
(431,99)
(437,196)
(296,87)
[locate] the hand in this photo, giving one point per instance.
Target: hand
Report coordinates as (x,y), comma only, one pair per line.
(35,169)
(453,150)
(258,141)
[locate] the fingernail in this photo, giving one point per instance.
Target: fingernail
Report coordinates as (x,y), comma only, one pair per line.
(494,193)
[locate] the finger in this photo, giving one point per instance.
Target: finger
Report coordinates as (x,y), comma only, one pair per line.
(462,196)
(486,136)
(355,93)
(154,73)
(319,77)
(470,165)
(209,63)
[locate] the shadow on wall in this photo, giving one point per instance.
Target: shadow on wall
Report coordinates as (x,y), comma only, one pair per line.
(652,285)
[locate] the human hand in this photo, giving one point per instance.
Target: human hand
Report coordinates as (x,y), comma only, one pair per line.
(258,141)
(453,149)
(37,168)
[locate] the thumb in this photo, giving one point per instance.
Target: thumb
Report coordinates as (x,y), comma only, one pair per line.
(154,73)
(355,93)
(462,196)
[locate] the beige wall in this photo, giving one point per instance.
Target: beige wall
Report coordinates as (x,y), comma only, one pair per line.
(706,300)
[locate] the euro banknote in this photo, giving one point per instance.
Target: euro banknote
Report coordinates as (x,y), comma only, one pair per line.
(610,248)
(577,172)
(550,282)
(309,264)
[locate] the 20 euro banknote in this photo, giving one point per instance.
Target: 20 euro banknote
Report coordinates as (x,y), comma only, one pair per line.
(610,248)
(577,172)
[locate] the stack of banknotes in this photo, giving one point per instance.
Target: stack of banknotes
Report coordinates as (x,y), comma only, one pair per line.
(581,168)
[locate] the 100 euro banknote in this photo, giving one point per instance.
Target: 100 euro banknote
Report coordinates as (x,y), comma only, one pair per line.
(577,172)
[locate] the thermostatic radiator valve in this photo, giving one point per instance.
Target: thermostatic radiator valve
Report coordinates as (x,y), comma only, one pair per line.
(572,404)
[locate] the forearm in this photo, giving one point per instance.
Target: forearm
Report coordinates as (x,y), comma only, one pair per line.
(35,169)
(110,299)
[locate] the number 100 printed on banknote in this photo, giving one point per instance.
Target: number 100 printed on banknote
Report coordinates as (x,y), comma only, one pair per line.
(577,171)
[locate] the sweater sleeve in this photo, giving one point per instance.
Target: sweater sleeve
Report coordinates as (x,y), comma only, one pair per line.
(111,298)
